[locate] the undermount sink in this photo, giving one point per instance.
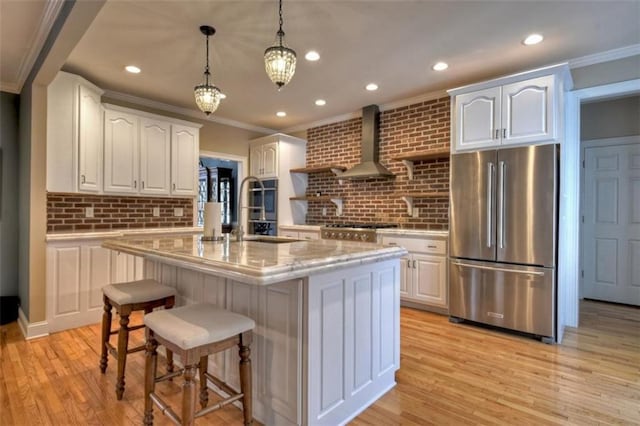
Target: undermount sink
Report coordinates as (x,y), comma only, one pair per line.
(271,240)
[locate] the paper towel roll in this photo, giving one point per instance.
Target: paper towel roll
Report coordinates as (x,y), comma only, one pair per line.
(212,219)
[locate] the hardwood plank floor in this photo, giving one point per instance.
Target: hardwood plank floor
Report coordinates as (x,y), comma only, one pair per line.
(451,374)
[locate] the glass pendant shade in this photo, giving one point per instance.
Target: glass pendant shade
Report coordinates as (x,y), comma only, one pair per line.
(280,64)
(207,98)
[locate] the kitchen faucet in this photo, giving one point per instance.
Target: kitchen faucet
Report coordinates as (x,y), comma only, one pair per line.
(240,230)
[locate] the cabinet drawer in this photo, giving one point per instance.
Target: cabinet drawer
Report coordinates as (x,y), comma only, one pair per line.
(308,235)
(290,234)
(420,245)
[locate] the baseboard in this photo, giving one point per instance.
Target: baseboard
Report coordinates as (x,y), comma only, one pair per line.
(32,330)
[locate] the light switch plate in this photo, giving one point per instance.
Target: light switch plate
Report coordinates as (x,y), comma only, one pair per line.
(416,212)
(178,212)
(156,211)
(88,212)
(324,211)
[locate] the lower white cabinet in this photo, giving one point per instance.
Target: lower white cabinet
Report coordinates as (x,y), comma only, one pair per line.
(76,273)
(291,232)
(423,277)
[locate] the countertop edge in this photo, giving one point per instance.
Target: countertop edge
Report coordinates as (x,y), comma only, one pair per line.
(412,232)
(71,236)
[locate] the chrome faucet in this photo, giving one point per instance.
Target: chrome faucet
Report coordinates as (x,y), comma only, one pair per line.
(240,230)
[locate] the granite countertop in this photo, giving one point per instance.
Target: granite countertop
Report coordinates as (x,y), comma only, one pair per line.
(413,232)
(70,236)
(254,262)
(301,227)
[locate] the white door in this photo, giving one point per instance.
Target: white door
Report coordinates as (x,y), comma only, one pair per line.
(184,160)
(430,279)
(611,245)
(155,157)
(120,152)
(89,141)
(528,111)
(477,119)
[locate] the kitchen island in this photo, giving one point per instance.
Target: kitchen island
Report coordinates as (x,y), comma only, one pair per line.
(327,313)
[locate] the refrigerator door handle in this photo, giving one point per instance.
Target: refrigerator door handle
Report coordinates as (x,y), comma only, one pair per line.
(493,268)
(490,173)
(502,174)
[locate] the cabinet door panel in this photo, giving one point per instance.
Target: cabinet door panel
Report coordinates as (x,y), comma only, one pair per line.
(184,160)
(121,152)
(270,160)
(255,161)
(89,141)
(155,157)
(405,277)
(430,279)
(528,111)
(478,117)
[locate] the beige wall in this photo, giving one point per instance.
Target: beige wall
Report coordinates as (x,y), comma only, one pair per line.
(606,72)
(213,136)
(610,119)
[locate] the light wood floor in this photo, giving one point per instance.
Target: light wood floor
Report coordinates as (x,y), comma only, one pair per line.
(450,374)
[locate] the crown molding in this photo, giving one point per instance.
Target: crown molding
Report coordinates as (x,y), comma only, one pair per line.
(382,107)
(609,55)
(49,15)
(10,87)
(187,112)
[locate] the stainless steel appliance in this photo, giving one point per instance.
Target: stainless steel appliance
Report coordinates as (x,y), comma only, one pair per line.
(365,232)
(503,238)
(267,225)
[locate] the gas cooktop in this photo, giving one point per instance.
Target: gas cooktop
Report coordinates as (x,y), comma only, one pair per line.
(353,231)
(361,225)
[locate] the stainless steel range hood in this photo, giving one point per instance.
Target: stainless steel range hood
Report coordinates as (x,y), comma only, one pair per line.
(369,168)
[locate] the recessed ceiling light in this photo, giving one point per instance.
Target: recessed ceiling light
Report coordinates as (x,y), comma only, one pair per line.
(132,69)
(312,55)
(281,114)
(371,87)
(440,66)
(532,39)
(223,96)
(321,102)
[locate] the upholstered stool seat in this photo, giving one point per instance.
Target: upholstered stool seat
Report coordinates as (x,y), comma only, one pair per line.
(194,332)
(128,297)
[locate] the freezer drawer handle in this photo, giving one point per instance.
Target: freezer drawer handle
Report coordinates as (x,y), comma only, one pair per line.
(515,271)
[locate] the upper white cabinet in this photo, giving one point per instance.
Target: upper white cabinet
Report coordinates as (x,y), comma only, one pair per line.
(184,160)
(155,156)
(74,135)
(121,136)
(520,109)
(264,160)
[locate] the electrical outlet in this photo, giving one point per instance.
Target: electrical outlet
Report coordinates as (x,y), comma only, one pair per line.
(324,211)
(416,212)
(88,212)
(178,212)
(156,211)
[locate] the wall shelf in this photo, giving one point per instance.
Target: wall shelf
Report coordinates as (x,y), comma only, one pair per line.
(333,168)
(322,198)
(408,198)
(411,157)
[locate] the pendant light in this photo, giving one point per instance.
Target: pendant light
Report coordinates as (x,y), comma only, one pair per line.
(207,95)
(279,60)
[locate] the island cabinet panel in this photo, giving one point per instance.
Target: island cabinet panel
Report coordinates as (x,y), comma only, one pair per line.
(354,339)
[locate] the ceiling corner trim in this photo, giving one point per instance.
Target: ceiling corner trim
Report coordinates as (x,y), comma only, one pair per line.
(9,87)
(49,15)
(318,123)
(184,111)
(609,55)
(415,100)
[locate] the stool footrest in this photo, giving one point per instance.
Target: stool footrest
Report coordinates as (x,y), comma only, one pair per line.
(166,409)
(220,404)
(136,349)
(219,383)
(168,376)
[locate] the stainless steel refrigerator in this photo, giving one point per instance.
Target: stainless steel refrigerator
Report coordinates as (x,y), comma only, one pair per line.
(503,238)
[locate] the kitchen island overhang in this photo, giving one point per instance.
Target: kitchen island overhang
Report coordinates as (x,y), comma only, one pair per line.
(327,316)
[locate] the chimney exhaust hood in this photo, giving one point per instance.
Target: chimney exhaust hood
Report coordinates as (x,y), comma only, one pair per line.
(368,168)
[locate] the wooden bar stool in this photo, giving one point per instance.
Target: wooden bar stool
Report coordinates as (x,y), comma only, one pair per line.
(194,332)
(143,295)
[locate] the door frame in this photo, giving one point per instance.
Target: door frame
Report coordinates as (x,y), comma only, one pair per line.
(594,143)
(569,229)
(242,172)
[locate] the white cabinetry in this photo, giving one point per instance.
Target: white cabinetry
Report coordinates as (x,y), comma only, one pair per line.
(155,157)
(298,233)
(74,135)
(76,273)
(264,160)
(520,109)
(121,148)
(271,157)
(184,160)
(423,270)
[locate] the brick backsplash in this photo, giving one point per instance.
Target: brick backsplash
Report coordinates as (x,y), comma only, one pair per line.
(66,212)
(416,127)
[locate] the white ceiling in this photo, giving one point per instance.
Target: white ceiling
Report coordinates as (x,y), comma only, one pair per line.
(392,43)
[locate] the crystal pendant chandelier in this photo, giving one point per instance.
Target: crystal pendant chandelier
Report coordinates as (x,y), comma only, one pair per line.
(279,60)
(207,95)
